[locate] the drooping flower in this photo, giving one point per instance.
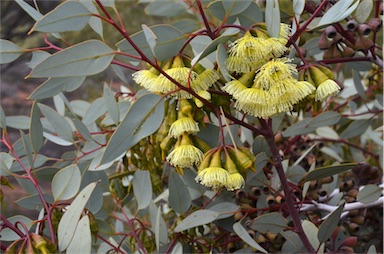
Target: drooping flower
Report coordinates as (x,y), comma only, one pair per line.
(204,94)
(326,89)
(183,125)
(235,181)
(185,155)
(146,79)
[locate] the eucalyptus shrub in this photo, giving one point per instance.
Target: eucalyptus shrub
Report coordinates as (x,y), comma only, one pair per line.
(243,126)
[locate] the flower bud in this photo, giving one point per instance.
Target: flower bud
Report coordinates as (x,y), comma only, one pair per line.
(185,107)
(317,75)
(4,181)
(206,160)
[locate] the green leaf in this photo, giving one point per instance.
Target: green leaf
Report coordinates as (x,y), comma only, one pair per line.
(272,18)
(338,12)
(54,86)
(58,122)
(83,59)
(293,243)
(68,16)
(142,188)
(363,11)
(33,202)
(221,57)
(322,172)
(82,129)
(66,183)
(179,197)
(143,118)
(9,51)
(272,222)
(18,122)
(70,219)
(27,148)
(195,219)
(97,109)
(212,46)
(3,121)
(94,22)
(356,128)
(36,129)
(311,231)
(82,239)
(326,228)
(150,37)
(324,119)
(8,234)
(243,234)
(166,8)
(369,194)
(169,41)
(359,84)
(110,103)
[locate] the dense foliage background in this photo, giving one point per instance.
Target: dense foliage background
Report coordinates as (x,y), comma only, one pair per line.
(216,126)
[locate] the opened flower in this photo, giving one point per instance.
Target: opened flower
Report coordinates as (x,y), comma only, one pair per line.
(185,155)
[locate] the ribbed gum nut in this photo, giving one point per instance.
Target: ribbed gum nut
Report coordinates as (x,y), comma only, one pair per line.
(198,68)
(185,107)
(247,78)
(367,42)
(375,24)
(352,25)
(331,32)
(177,62)
(363,29)
(230,165)
(317,75)
(39,241)
(206,160)
(326,71)
(323,41)
(347,52)
(216,159)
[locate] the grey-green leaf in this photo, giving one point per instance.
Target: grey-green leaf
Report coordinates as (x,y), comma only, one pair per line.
(320,173)
(169,41)
(58,122)
(197,218)
(66,183)
(326,228)
(8,234)
(166,8)
(83,59)
(54,86)
(355,129)
(36,129)
(3,121)
(324,119)
(369,194)
(70,219)
(9,51)
(338,12)
(243,234)
(82,239)
(18,122)
(110,103)
(68,16)
(272,222)
(142,187)
(143,118)
(272,18)
(150,38)
(82,129)
(179,196)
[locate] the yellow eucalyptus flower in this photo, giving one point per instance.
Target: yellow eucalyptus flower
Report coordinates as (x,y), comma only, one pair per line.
(214,177)
(185,156)
(183,125)
(235,181)
(205,94)
(234,87)
(146,79)
(328,88)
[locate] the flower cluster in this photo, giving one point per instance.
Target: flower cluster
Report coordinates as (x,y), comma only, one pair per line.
(198,80)
(212,173)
